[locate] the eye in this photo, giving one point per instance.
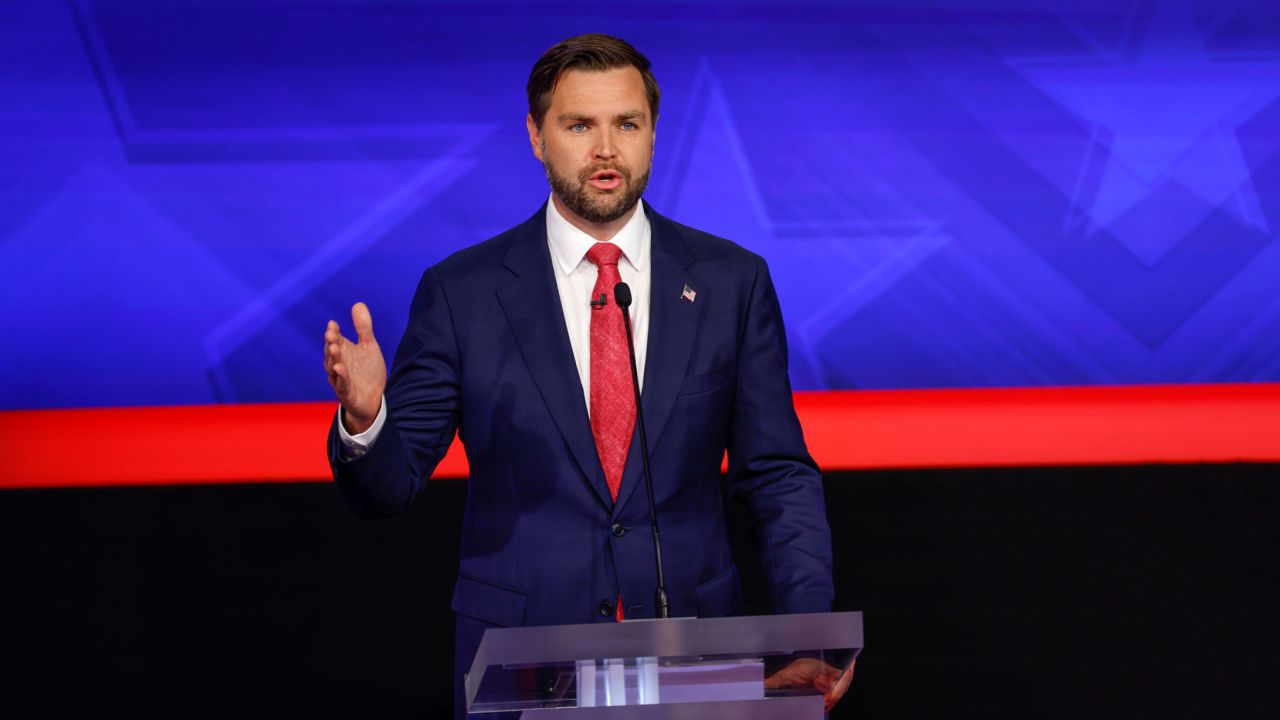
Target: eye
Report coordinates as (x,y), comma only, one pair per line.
(629,126)
(578,127)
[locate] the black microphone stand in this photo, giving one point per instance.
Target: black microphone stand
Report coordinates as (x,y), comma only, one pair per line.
(622,296)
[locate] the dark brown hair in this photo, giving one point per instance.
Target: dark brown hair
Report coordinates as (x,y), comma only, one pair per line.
(592,52)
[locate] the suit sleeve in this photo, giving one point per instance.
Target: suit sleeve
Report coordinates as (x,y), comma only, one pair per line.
(770,469)
(423,410)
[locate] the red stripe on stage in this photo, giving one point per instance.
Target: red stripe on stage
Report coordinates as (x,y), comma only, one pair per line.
(846,430)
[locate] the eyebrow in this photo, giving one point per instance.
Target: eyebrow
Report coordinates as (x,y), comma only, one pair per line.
(621,117)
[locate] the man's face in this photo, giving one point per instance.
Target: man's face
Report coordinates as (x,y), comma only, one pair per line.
(597,142)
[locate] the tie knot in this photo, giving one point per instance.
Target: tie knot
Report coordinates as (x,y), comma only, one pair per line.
(604,253)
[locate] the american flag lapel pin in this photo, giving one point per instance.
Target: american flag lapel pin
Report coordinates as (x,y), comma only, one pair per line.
(688,294)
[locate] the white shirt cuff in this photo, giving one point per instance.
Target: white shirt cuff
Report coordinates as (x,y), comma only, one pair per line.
(359,444)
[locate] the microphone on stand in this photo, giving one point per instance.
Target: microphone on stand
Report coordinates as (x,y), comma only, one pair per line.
(622,296)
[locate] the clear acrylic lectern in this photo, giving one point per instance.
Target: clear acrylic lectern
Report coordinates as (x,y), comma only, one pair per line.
(752,668)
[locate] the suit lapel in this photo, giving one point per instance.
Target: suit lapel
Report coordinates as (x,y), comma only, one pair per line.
(673,329)
(531,304)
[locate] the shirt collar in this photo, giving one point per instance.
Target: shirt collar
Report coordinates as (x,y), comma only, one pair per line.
(569,245)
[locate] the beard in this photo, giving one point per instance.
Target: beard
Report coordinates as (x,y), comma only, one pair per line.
(597,206)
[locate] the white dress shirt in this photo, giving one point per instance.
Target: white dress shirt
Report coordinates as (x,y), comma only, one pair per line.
(575,279)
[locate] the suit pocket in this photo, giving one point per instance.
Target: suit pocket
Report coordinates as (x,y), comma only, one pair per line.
(706,382)
(721,595)
(488,602)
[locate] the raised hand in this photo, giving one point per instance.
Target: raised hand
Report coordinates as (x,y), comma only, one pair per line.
(357,370)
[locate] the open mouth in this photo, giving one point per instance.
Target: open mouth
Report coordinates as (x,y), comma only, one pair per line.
(606,180)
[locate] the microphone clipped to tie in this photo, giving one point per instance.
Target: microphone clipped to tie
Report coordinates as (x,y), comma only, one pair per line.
(597,304)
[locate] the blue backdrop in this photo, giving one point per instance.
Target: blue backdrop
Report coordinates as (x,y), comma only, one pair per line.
(1028,193)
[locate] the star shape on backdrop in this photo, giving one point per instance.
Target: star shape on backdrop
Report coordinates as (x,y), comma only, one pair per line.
(827,266)
(442,153)
(1162,113)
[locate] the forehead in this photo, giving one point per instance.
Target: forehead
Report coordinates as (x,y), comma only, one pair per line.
(609,92)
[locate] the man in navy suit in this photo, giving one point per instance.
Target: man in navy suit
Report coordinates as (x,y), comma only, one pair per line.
(513,345)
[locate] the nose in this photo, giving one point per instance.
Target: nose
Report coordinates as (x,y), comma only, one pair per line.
(605,148)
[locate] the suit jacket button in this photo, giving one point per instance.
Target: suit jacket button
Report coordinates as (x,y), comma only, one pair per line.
(606,609)
(618,530)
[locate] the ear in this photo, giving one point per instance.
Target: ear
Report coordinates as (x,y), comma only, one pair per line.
(535,136)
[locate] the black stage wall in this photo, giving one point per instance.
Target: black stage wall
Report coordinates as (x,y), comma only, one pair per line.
(1046,593)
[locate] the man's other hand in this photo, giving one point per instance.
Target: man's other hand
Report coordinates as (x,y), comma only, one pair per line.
(812,673)
(356,370)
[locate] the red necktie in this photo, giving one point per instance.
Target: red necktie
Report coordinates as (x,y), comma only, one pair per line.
(613,401)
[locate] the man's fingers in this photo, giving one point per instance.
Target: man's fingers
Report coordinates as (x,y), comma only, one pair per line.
(339,377)
(332,355)
(333,342)
(331,332)
(363,322)
(846,679)
(840,688)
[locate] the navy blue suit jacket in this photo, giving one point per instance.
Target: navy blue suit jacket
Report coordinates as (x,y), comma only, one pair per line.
(486,354)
